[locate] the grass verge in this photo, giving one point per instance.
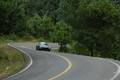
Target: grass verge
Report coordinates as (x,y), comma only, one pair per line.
(11,60)
(55,50)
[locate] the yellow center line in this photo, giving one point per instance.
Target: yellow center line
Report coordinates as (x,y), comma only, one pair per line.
(68,68)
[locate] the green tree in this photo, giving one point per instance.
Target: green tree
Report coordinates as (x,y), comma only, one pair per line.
(61,34)
(99,19)
(94,23)
(44,8)
(12,17)
(6,7)
(40,27)
(49,9)
(35,26)
(47,24)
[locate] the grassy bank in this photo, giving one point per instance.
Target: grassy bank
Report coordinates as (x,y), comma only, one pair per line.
(11,60)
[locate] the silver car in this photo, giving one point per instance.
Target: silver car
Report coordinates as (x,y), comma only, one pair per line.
(43,46)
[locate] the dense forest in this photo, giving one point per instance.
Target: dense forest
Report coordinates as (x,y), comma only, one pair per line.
(91,27)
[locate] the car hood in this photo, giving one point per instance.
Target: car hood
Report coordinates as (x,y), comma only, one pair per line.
(45,46)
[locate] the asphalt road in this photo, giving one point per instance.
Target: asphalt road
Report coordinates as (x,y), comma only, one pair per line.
(59,66)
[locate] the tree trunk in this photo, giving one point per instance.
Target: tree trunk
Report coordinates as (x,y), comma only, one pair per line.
(61,48)
(103,45)
(92,49)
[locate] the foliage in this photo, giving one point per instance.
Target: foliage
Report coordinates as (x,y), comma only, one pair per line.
(21,18)
(35,26)
(5,10)
(12,37)
(44,8)
(28,37)
(41,39)
(40,27)
(47,25)
(66,10)
(61,34)
(95,25)
(77,48)
(99,24)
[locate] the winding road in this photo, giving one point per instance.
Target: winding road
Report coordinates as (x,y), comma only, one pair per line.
(44,65)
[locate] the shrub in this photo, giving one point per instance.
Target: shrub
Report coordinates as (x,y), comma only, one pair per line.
(41,39)
(12,37)
(28,37)
(118,56)
(77,48)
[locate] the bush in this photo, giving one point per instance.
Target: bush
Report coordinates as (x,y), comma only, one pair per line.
(1,40)
(12,37)
(118,56)
(41,39)
(77,48)
(28,37)
(64,49)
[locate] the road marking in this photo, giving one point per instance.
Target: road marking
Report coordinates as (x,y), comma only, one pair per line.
(118,70)
(70,65)
(31,61)
(68,68)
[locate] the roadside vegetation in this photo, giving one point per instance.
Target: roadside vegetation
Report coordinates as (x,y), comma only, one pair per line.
(11,60)
(95,27)
(90,27)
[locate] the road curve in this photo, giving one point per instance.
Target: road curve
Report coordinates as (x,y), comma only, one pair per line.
(60,66)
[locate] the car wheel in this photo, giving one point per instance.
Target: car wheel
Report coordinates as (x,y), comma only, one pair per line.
(36,48)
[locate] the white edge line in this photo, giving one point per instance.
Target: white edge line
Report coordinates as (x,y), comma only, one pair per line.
(118,70)
(31,61)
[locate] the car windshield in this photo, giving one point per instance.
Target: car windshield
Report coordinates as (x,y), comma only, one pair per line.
(45,44)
